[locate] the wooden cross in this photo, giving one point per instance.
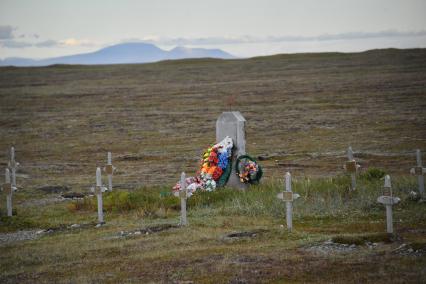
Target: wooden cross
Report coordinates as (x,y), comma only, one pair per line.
(351,167)
(388,200)
(183,195)
(13,165)
(419,171)
(109,170)
(288,196)
(231,101)
(8,188)
(98,189)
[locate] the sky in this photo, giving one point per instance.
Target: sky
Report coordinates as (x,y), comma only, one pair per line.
(244,28)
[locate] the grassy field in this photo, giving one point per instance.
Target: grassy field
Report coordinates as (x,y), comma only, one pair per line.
(302,112)
(232,237)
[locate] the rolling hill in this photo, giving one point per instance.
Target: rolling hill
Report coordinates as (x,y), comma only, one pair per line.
(125,53)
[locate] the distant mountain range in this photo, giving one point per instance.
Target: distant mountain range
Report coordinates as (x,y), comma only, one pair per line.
(135,52)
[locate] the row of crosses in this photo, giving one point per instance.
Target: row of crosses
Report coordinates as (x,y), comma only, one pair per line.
(287,195)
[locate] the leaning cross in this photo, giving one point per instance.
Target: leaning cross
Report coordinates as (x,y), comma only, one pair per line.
(388,200)
(98,189)
(419,171)
(13,165)
(8,188)
(351,167)
(288,196)
(183,195)
(109,170)
(231,101)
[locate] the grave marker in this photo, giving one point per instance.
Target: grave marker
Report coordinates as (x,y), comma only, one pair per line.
(419,171)
(351,167)
(288,196)
(183,195)
(232,124)
(98,189)
(8,188)
(388,200)
(109,170)
(13,165)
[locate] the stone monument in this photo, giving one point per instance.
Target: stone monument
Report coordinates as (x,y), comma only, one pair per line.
(232,124)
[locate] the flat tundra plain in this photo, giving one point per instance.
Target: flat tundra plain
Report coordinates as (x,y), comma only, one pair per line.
(302,112)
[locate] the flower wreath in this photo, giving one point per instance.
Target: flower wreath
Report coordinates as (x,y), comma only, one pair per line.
(215,168)
(248,170)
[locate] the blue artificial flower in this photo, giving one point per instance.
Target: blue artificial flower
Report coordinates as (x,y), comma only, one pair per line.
(223,159)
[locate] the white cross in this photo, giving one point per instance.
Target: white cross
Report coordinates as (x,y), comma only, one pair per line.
(288,196)
(388,200)
(109,170)
(419,171)
(98,189)
(8,188)
(183,194)
(351,167)
(13,165)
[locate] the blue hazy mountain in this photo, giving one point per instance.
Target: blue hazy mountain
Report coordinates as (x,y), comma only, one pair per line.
(135,52)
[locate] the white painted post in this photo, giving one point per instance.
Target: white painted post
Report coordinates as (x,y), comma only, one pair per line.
(289,207)
(288,196)
(8,189)
(98,189)
(389,219)
(388,200)
(419,171)
(109,169)
(351,167)
(13,165)
(99,196)
(183,196)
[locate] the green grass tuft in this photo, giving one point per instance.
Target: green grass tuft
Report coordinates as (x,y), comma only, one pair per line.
(362,239)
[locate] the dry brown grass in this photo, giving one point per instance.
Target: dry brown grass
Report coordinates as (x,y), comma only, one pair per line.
(305,109)
(302,111)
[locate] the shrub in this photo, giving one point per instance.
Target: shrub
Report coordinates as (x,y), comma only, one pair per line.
(329,196)
(373,174)
(147,201)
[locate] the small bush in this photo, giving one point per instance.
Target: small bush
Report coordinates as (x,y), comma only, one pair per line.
(9,224)
(209,198)
(147,202)
(373,174)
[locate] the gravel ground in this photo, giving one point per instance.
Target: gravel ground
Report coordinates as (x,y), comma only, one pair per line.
(329,247)
(7,238)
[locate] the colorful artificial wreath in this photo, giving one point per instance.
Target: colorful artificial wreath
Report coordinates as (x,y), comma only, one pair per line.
(214,170)
(216,167)
(248,170)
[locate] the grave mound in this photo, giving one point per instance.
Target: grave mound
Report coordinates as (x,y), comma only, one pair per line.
(54,188)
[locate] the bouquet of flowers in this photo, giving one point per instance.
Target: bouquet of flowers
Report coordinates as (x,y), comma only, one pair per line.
(214,162)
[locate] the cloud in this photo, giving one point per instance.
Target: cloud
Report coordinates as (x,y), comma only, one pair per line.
(8,40)
(15,44)
(71,42)
(46,43)
(6,32)
(76,42)
(274,39)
